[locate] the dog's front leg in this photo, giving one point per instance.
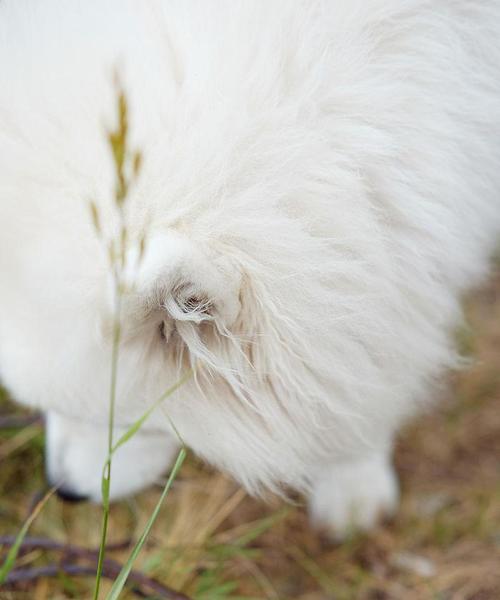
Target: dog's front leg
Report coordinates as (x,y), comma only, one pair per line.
(352,495)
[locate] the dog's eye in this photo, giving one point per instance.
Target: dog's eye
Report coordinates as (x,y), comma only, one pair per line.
(194,303)
(192,309)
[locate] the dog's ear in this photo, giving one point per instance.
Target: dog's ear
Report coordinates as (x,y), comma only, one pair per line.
(182,291)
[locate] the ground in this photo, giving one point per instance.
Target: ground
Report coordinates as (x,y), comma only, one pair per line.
(212,542)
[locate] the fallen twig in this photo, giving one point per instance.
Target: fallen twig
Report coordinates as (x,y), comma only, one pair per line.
(16,421)
(138,581)
(41,543)
(26,575)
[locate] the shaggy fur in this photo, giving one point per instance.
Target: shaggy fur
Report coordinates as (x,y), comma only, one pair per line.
(321,182)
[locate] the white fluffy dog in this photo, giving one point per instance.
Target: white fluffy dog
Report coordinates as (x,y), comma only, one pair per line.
(321,181)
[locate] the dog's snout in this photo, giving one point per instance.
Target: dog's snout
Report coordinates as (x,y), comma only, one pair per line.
(69,496)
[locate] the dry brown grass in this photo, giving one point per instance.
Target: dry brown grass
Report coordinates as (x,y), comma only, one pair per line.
(214,542)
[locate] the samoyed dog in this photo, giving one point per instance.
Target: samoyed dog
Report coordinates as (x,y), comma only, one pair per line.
(320,183)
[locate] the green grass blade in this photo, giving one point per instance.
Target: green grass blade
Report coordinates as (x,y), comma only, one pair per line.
(120,581)
(134,428)
(106,476)
(14,550)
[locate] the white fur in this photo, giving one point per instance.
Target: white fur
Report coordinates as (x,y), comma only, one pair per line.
(77,451)
(351,495)
(323,175)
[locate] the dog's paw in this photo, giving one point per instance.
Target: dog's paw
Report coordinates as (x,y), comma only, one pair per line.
(352,496)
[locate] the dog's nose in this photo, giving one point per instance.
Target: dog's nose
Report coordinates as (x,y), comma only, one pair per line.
(70,496)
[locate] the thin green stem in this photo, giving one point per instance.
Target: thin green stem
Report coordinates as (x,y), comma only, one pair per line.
(134,428)
(106,478)
(114,361)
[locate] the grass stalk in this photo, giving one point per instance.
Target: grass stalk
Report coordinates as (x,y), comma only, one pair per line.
(14,549)
(120,581)
(106,478)
(118,253)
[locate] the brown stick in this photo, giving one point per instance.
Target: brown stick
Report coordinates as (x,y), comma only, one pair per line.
(41,543)
(111,567)
(26,575)
(13,421)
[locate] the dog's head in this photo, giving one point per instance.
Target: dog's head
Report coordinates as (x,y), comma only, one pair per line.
(205,310)
(238,286)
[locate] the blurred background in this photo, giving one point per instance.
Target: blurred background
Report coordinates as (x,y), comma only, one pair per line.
(213,542)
